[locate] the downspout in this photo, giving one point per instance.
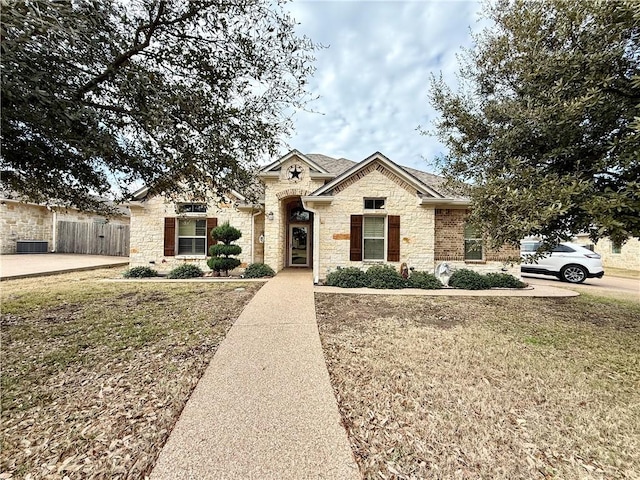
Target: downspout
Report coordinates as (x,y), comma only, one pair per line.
(54,229)
(253,235)
(316,242)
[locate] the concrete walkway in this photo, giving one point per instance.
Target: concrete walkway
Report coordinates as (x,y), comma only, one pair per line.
(39,264)
(264,408)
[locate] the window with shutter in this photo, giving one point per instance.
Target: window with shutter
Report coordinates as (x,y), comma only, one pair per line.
(169,237)
(355,248)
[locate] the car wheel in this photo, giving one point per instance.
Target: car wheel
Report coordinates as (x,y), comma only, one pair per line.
(573,274)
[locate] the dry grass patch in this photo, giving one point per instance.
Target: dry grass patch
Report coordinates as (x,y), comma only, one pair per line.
(436,387)
(95,374)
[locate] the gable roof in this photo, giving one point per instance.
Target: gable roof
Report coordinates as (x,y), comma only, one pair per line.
(422,187)
(275,166)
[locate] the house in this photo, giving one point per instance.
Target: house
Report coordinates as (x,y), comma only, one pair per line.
(321,213)
(625,256)
(34,228)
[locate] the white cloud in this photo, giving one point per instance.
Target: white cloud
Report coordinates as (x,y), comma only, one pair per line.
(373,79)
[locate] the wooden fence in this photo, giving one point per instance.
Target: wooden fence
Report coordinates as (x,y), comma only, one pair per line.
(92,238)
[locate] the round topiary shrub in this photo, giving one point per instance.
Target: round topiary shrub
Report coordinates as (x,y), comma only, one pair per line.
(385,276)
(350,277)
(469,280)
(140,272)
(222,253)
(186,270)
(258,270)
(424,280)
(504,280)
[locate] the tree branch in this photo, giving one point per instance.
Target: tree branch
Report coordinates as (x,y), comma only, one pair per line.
(124,57)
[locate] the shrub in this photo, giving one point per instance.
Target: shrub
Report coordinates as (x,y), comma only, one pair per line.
(424,280)
(504,280)
(385,276)
(258,270)
(350,277)
(221,253)
(140,272)
(469,280)
(186,270)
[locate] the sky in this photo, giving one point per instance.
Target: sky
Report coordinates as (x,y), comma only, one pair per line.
(373,79)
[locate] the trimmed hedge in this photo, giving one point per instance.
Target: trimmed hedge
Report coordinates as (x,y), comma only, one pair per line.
(424,280)
(350,277)
(385,276)
(186,270)
(504,280)
(140,272)
(469,280)
(258,270)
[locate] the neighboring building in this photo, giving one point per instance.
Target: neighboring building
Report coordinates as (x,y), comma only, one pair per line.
(322,213)
(30,227)
(626,256)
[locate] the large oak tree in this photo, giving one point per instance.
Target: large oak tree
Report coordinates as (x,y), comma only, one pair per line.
(545,125)
(104,93)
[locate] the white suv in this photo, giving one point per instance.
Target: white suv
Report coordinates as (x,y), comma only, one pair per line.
(568,261)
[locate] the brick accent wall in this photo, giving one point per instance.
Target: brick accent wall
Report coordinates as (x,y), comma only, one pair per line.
(449,236)
(449,246)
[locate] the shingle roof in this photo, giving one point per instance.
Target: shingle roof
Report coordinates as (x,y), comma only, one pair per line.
(337,166)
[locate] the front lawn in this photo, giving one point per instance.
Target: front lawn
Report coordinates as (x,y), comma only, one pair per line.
(506,388)
(95,374)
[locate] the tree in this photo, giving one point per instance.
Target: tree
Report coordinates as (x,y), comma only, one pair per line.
(97,93)
(221,253)
(545,128)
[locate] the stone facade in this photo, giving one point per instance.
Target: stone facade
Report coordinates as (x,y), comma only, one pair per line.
(626,257)
(24,221)
(147,232)
(277,191)
(416,221)
(27,221)
(328,192)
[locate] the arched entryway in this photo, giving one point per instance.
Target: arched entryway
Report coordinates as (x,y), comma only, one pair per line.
(299,234)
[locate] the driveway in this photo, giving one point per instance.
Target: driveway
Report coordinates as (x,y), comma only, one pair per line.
(35,265)
(608,286)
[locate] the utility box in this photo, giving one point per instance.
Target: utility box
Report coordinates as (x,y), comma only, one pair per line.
(32,246)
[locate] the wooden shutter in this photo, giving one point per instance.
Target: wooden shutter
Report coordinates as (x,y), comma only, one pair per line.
(355,250)
(393,240)
(169,237)
(211,224)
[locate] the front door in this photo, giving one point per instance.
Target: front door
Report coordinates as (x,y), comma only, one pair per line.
(298,245)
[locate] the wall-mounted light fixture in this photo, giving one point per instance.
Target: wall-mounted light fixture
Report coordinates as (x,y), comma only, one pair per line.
(270,216)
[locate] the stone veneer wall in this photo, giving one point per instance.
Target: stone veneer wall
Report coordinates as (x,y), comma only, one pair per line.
(24,221)
(147,233)
(449,246)
(278,189)
(416,222)
(27,221)
(628,258)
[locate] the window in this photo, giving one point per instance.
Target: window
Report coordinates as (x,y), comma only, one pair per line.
(616,247)
(472,243)
(192,208)
(373,235)
(374,203)
(562,249)
(192,236)
(299,214)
